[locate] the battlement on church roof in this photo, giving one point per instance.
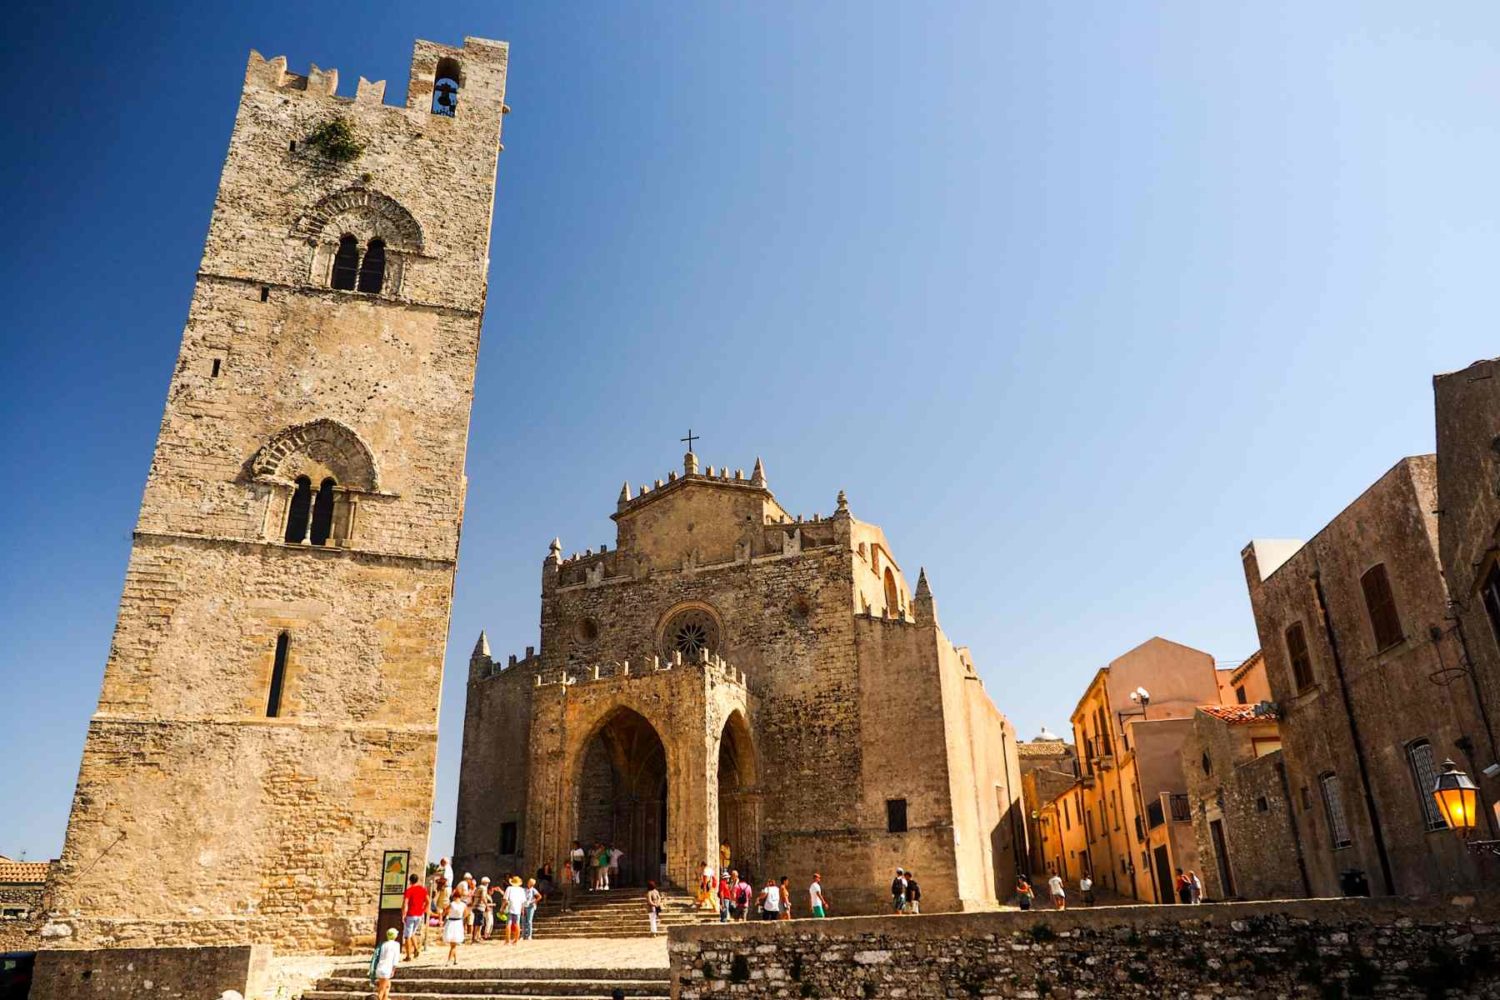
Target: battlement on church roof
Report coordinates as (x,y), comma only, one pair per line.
(631,499)
(711,664)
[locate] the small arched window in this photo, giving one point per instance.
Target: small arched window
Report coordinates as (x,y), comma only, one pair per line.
(372,270)
(322,514)
(298,511)
(445,86)
(346,263)
(892,594)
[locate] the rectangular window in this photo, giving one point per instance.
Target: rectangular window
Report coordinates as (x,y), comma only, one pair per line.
(1419,755)
(278,676)
(1381,604)
(1067,817)
(507,838)
(1296,654)
(1490,593)
(895,815)
(1306,799)
(1240,697)
(1333,804)
(1114,805)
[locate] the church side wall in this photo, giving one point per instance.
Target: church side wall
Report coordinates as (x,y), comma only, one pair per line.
(986,774)
(904,719)
(493,783)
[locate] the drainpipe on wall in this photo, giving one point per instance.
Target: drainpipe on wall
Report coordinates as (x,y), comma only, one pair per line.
(1359,745)
(1291,818)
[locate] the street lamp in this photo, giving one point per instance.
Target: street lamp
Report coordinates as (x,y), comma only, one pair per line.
(1141,697)
(1457,799)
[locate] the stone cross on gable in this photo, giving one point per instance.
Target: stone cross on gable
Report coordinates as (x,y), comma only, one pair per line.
(691,437)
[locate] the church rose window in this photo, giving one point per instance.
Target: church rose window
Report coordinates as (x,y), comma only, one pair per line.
(691,633)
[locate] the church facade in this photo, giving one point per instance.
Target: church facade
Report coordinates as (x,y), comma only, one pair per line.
(729,674)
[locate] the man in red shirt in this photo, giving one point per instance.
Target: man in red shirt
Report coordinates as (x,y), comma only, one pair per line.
(414,914)
(726,896)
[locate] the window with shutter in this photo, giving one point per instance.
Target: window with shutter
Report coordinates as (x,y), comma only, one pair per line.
(1381,605)
(1297,655)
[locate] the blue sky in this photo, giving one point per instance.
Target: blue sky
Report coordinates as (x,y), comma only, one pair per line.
(1073,299)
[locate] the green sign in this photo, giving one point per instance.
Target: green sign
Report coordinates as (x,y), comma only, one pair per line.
(393,871)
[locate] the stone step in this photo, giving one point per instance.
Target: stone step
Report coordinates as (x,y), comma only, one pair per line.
(439,986)
(365,991)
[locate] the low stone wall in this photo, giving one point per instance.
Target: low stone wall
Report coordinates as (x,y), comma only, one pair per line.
(1328,948)
(165,973)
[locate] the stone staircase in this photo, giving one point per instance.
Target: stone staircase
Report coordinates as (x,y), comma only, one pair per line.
(619,913)
(458,983)
(615,913)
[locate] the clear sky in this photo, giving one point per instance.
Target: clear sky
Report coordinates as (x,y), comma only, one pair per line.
(1072,299)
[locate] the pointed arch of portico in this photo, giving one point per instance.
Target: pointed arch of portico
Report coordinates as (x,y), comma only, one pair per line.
(737,804)
(638,805)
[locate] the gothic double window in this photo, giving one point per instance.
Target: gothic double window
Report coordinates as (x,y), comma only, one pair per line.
(356,271)
(316,473)
(312,515)
(362,241)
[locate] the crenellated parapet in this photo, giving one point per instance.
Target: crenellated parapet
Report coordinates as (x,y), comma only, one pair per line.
(708,664)
(483,666)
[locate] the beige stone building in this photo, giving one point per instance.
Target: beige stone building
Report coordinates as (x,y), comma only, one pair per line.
(268,719)
(1049,764)
(731,674)
(1137,820)
(1367,673)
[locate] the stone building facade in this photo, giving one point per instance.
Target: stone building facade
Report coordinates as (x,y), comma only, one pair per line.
(1137,820)
(730,674)
(21,888)
(268,719)
(1049,765)
(1468,494)
(1365,670)
(1241,803)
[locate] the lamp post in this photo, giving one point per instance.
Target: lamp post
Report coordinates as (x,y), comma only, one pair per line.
(1457,799)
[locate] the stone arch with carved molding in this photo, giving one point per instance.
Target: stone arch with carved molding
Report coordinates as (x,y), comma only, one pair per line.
(366,214)
(322,455)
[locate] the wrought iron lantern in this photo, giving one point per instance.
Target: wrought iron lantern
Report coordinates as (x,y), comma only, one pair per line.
(1457,799)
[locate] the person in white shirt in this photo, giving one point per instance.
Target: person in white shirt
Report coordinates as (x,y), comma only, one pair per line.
(770,901)
(1059,897)
(447,871)
(383,964)
(515,909)
(453,927)
(1086,886)
(615,854)
(575,862)
(815,896)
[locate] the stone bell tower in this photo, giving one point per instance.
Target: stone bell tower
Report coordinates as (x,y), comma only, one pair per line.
(268,719)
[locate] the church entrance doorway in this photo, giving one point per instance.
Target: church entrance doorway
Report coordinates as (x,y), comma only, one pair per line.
(622,797)
(739,798)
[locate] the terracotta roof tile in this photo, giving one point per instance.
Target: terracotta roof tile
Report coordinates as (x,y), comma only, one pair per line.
(23,872)
(1235,714)
(1047,748)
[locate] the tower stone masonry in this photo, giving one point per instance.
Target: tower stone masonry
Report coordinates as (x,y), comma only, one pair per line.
(268,720)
